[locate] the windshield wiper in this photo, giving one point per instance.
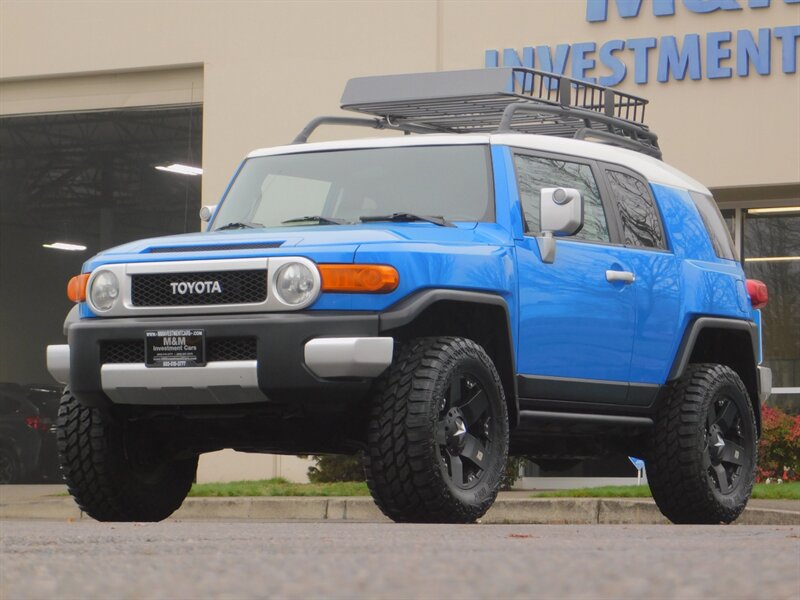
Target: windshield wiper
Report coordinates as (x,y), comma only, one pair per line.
(319,219)
(237,225)
(404,217)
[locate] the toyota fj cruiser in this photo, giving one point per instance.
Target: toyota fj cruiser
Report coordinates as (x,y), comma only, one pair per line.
(525,277)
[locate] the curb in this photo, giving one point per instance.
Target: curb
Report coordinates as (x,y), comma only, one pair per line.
(534,511)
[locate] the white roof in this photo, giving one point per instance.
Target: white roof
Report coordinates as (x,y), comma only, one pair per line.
(654,170)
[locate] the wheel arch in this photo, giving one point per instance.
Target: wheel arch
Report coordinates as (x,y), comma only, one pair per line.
(479,316)
(729,342)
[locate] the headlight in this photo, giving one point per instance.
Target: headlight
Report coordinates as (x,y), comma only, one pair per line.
(294,283)
(104,290)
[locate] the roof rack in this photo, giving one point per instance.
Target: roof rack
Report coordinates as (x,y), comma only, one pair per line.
(496,100)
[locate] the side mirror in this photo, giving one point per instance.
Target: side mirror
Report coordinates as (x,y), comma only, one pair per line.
(207,212)
(560,214)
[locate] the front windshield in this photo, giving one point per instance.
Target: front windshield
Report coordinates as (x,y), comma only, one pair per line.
(345,185)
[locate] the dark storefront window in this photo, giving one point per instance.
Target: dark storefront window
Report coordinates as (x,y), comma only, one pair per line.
(87,179)
(771,253)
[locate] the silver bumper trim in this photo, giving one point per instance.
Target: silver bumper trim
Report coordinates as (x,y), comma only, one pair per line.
(349,357)
(223,382)
(58,362)
(764,383)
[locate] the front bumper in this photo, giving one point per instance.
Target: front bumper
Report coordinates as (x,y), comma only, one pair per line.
(299,356)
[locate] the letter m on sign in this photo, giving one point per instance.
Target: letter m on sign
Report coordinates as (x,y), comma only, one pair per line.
(597,10)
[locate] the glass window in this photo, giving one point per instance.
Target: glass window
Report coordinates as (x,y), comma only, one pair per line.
(448,181)
(641,224)
(535,173)
(772,255)
(715,225)
(86,179)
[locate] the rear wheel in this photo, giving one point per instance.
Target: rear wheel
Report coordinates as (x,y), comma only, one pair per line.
(438,433)
(9,466)
(110,479)
(702,464)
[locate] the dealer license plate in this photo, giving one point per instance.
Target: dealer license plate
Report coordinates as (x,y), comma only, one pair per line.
(175,348)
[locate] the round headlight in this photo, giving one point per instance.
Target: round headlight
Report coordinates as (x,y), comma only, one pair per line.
(294,283)
(104,291)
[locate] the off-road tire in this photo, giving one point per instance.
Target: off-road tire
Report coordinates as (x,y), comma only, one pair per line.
(688,449)
(412,476)
(102,479)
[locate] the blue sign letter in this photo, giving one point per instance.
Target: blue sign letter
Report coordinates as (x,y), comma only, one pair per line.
(597,10)
(581,64)
(641,48)
(715,54)
(788,35)
(708,6)
(669,60)
(747,51)
(618,68)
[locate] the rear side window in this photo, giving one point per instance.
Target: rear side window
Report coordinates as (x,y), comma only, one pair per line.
(641,223)
(535,173)
(715,225)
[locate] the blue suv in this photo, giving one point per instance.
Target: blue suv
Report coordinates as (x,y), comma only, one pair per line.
(522,276)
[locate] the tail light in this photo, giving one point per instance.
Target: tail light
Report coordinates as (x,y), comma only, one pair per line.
(37,424)
(758,292)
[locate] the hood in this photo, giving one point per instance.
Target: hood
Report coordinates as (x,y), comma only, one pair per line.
(329,242)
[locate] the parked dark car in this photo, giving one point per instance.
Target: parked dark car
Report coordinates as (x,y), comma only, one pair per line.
(28,451)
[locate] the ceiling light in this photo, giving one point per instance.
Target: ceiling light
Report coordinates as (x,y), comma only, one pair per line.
(181,169)
(64,246)
(771,258)
(777,209)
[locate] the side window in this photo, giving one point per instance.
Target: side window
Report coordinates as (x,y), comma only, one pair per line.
(641,224)
(535,173)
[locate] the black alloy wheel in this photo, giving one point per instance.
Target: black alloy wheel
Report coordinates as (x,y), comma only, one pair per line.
(724,454)
(465,430)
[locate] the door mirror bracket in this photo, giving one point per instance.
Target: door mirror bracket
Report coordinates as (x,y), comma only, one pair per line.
(560,214)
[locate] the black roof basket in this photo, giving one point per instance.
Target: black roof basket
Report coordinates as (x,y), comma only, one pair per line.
(506,99)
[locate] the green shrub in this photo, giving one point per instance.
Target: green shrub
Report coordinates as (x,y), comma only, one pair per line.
(779,447)
(328,468)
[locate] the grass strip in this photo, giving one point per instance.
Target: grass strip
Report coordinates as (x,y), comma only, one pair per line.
(277,487)
(761,491)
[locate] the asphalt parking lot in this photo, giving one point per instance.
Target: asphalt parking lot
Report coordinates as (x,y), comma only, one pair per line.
(180,559)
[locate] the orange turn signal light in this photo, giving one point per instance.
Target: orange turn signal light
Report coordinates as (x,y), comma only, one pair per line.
(359,278)
(76,288)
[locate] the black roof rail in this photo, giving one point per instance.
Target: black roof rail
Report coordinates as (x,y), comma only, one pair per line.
(504,99)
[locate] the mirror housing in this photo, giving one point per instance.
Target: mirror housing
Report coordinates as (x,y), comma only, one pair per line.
(207,212)
(560,214)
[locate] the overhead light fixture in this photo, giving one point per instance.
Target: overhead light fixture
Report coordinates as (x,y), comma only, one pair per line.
(776,209)
(64,246)
(181,169)
(771,258)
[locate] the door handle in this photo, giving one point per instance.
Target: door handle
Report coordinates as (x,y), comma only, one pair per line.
(624,276)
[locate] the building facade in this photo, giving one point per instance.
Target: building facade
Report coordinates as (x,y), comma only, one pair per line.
(95,95)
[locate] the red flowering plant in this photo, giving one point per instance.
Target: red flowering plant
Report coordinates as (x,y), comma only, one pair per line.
(779,447)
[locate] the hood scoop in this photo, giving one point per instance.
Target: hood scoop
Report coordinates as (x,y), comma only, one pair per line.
(214,247)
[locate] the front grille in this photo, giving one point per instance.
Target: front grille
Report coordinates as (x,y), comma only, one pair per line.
(127,351)
(217,349)
(235,287)
(231,349)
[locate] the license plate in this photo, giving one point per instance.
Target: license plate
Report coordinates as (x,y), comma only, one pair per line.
(175,348)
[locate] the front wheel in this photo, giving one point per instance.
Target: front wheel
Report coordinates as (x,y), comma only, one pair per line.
(104,470)
(702,463)
(438,433)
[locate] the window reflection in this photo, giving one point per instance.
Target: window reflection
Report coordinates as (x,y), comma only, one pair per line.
(87,179)
(535,173)
(641,225)
(772,254)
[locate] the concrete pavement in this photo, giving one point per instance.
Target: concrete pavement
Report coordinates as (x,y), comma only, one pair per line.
(48,502)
